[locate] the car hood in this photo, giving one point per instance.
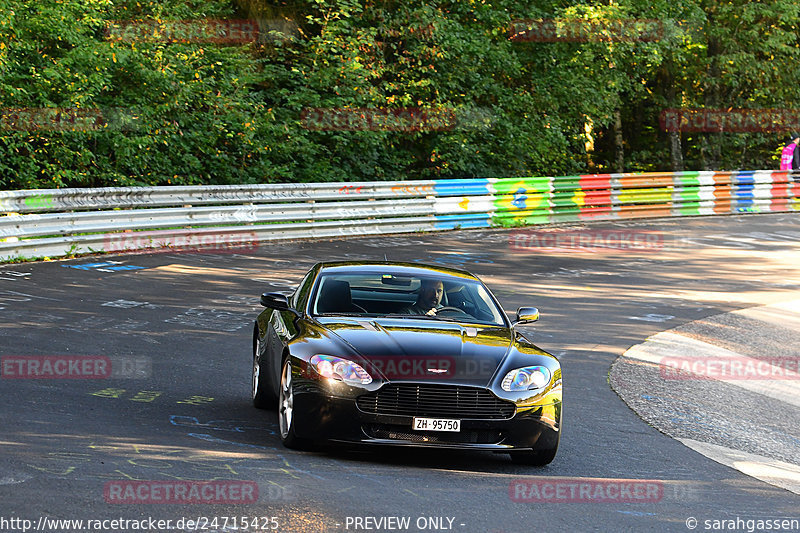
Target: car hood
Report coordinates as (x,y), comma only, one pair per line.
(424,350)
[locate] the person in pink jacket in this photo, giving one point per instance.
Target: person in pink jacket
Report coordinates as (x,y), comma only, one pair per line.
(790,157)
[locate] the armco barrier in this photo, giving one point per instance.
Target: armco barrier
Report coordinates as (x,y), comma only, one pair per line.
(59,222)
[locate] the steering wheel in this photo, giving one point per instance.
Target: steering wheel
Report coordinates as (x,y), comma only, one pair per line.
(451,308)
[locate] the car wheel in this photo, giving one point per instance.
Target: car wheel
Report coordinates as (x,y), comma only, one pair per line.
(542,455)
(286,413)
(263,398)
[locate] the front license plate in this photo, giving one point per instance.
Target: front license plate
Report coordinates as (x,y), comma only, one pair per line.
(437,424)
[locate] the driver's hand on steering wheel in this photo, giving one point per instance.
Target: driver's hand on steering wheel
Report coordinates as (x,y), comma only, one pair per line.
(431,312)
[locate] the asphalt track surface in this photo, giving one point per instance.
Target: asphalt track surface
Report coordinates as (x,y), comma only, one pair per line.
(681,381)
(185,414)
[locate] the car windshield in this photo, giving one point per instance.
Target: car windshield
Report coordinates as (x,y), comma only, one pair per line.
(379,294)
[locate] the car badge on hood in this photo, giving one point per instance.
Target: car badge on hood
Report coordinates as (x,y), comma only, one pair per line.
(437,370)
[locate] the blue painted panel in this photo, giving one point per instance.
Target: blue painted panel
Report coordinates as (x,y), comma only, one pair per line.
(477,220)
(465,187)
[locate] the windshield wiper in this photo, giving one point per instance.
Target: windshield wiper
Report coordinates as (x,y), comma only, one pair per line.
(444,319)
(427,317)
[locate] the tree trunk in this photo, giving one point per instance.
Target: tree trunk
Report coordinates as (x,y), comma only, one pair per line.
(619,148)
(703,151)
(712,141)
(672,99)
(676,152)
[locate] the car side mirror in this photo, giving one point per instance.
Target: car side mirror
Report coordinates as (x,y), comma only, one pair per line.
(527,314)
(275,300)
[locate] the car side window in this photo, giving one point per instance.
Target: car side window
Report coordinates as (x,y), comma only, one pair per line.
(300,295)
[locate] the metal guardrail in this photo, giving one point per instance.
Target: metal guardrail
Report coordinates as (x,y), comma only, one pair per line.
(60,222)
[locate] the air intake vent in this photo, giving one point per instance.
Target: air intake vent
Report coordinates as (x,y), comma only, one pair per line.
(437,401)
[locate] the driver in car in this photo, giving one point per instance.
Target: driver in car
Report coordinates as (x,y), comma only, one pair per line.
(428,300)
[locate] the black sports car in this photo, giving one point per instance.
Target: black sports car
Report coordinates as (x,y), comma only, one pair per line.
(404,354)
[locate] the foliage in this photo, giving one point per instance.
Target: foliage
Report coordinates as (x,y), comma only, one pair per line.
(189,111)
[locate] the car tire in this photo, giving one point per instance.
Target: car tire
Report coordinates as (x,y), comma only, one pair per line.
(542,455)
(262,394)
(286,418)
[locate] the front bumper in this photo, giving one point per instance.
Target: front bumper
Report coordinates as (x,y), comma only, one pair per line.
(320,415)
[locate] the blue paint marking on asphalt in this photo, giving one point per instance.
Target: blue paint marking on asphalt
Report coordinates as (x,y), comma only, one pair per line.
(636,513)
(125,267)
(108,266)
(87,266)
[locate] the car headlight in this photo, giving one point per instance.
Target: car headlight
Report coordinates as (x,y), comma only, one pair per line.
(527,378)
(333,367)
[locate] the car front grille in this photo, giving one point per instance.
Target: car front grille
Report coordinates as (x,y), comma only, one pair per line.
(395,432)
(436,401)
